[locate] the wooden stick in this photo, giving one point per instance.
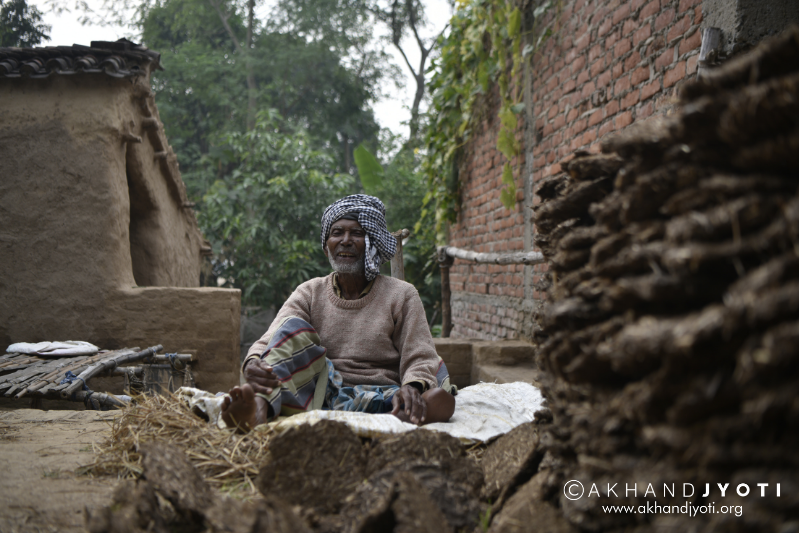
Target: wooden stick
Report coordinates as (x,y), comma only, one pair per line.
(445,262)
(710,47)
(106,365)
(519,258)
(19,359)
(398,268)
(138,370)
(104,399)
(447,321)
(163,358)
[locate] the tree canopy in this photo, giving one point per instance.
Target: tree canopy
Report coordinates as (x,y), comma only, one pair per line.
(21,24)
(263,216)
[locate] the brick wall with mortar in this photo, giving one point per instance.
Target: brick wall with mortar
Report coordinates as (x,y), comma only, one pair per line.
(608,64)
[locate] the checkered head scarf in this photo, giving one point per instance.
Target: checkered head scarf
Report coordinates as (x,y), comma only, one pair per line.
(371,213)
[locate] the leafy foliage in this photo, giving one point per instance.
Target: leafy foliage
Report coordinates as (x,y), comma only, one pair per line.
(263,217)
(21,24)
(484,36)
(370,170)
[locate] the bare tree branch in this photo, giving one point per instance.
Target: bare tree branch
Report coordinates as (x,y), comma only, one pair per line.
(412,17)
(224,19)
(400,48)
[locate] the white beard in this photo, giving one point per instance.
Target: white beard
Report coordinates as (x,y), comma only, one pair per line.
(346,268)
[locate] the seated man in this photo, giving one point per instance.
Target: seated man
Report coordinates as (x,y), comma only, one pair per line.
(353,340)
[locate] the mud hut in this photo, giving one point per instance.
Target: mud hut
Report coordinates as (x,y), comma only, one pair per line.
(98,237)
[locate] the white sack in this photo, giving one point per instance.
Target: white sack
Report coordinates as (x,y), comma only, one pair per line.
(55,349)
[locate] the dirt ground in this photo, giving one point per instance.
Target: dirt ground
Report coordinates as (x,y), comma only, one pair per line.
(39,454)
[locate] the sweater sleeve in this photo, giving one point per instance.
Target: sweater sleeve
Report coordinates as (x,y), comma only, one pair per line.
(298,304)
(412,338)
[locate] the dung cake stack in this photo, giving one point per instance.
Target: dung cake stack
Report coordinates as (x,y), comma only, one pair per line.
(671,334)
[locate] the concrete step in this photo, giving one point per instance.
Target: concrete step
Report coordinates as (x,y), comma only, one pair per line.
(471,360)
(506,374)
(457,355)
(505,352)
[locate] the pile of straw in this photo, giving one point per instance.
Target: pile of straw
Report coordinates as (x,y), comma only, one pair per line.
(227,461)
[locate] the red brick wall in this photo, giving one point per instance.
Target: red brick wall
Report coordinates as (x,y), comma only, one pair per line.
(486,298)
(608,64)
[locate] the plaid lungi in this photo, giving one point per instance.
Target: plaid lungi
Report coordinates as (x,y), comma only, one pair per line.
(309,380)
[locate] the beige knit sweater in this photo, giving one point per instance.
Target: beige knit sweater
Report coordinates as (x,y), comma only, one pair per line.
(380,339)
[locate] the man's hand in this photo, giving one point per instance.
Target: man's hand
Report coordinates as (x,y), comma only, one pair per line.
(413,404)
(260,376)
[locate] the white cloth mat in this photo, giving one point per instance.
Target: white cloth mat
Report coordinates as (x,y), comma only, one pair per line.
(483,411)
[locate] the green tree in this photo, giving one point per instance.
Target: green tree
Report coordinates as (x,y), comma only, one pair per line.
(351,22)
(401,186)
(202,90)
(262,218)
(343,29)
(21,25)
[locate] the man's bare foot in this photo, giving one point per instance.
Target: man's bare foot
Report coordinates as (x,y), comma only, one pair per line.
(439,404)
(239,410)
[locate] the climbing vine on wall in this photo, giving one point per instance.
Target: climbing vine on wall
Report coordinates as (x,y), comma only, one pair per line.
(483,48)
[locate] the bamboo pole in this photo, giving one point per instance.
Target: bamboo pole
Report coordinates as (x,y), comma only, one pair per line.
(104,366)
(523,258)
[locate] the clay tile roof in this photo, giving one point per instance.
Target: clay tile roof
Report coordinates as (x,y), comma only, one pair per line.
(120,59)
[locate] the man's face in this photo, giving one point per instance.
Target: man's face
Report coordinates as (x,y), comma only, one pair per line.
(345,247)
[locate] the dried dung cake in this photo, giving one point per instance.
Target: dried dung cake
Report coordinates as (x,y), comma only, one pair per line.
(528,507)
(315,466)
(670,339)
(438,463)
(172,496)
(172,476)
(431,448)
(512,457)
(403,506)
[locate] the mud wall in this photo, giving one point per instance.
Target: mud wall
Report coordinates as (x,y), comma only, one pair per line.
(88,213)
(202,321)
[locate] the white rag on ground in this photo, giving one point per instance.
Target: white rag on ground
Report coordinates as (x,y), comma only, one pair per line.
(483,411)
(54,349)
